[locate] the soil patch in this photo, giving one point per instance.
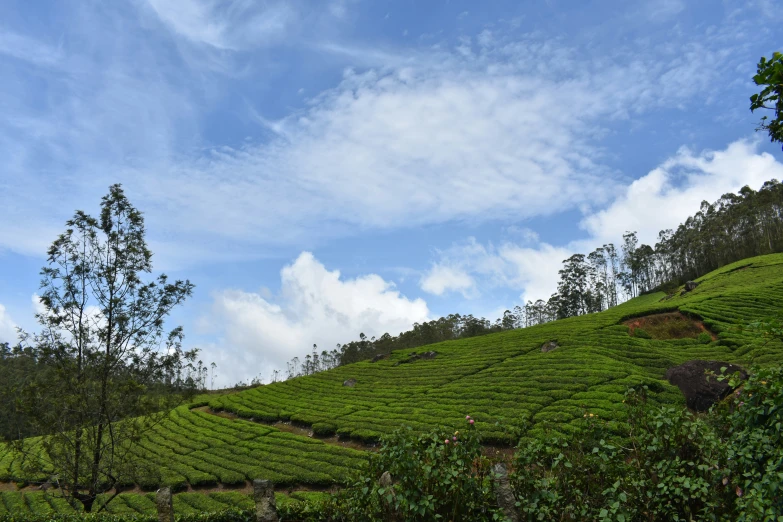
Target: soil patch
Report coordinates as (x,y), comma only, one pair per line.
(670,325)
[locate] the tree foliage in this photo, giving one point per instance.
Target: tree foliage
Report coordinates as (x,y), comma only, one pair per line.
(101,378)
(441,475)
(770,75)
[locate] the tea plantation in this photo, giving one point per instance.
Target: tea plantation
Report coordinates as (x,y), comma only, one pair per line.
(504,381)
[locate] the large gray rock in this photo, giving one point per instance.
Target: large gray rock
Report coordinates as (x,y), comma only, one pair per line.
(264,495)
(548,347)
(386,480)
(504,493)
(164,502)
(413,356)
(701,389)
(350,383)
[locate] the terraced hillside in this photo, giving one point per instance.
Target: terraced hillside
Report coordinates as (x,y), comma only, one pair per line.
(504,378)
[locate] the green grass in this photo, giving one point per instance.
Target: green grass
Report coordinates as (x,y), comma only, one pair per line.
(502,380)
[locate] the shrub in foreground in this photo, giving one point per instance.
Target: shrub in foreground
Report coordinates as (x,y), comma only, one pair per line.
(441,475)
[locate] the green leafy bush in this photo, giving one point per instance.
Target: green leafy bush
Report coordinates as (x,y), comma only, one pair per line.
(755,430)
(667,463)
(441,475)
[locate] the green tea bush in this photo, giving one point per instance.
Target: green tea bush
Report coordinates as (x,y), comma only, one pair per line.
(324,429)
(641,334)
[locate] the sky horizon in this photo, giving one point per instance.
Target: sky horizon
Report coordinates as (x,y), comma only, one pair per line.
(321,169)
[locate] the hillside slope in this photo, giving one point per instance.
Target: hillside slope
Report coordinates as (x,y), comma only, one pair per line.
(504,377)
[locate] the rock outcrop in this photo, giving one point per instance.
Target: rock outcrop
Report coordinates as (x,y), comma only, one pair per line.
(700,387)
(413,356)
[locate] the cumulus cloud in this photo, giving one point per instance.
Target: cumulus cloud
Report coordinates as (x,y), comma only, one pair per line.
(667,195)
(441,278)
(314,305)
(661,199)
(532,269)
(7,327)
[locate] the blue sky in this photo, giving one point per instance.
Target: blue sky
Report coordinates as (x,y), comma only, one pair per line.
(320,169)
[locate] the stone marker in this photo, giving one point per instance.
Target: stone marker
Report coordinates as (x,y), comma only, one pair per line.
(264,495)
(165,505)
(385,481)
(506,500)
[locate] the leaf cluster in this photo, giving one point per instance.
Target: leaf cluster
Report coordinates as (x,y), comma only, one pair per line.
(770,75)
(440,475)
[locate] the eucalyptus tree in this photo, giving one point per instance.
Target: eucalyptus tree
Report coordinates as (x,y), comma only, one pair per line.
(572,289)
(107,371)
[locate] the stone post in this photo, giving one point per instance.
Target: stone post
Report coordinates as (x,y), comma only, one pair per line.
(264,495)
(165,504)
(506,500)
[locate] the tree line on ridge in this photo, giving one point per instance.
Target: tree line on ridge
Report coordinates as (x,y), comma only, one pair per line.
(735,227)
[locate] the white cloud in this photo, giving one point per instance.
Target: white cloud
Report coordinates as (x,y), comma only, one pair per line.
(415,137)
(231,25)
(28,49)
(442,278)
(530,269)
(535,269)
(38,306)
(660,10)
(314,305)
(7,327)
(442,138)
(93,317)
(667,195)
(661,199)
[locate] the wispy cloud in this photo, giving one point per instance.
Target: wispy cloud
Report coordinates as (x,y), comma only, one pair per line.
(28,49)
(506,125)
(232,26)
